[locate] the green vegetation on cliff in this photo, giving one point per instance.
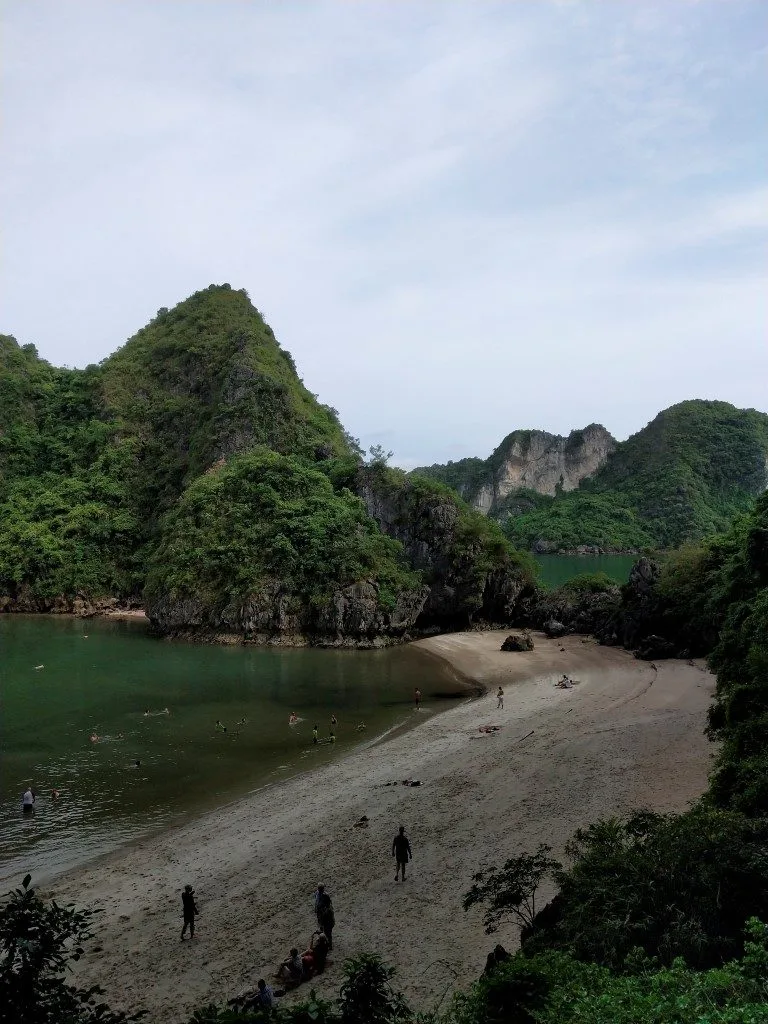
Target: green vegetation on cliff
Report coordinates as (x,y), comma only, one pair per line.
(90,459)
(264,519)
(683,477)
(108,471)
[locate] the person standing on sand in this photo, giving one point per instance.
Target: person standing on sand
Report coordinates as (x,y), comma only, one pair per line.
(417,698)
(314,735)
(499,698)
(190,911)
(401,850)
(319,898)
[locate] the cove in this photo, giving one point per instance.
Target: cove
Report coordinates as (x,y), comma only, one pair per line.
(98,677)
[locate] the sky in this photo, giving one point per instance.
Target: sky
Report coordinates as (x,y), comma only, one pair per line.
(462,218)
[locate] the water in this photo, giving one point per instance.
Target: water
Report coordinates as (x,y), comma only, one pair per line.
(99,677)
(554,570)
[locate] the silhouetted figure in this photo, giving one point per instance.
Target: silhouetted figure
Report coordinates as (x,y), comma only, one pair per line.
(497,956)
(499,699)
(190,911)
(326,919)
(417,697)
(314,734)
(401,851)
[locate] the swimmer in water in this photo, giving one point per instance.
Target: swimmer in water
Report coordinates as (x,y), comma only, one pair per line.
(146,713)
(55,794)
(334,721)
(293,719)
(220,725)
(95,738)
(361,727)
(137,763)
(332,737)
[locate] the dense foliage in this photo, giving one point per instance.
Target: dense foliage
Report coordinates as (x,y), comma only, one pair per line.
(90,459)
(38,941)
(263,517)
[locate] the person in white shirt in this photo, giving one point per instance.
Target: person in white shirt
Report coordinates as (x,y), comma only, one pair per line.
(28,800)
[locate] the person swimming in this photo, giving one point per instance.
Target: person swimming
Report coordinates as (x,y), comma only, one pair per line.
(293,719)
(220,725)
(95,738)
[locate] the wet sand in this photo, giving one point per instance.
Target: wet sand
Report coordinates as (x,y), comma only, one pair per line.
(626,736)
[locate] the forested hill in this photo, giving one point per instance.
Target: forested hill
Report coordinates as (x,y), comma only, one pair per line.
(194,458)
(683,476)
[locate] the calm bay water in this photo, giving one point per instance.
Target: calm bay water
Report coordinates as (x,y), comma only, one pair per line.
(554,570)
(65,680)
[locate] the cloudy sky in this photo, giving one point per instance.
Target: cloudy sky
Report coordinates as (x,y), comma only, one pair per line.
(461,217)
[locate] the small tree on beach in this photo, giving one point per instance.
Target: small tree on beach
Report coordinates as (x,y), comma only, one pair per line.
(510,891)
(38,940)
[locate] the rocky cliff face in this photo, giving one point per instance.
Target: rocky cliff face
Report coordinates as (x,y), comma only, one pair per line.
(527,459)
(355,616)
(470,572)
(544,462)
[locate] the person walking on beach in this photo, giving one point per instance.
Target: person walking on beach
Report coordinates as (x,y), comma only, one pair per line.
(190,911)
(314,735)
(417,698)
(28,800)
(401,851)
(499,698)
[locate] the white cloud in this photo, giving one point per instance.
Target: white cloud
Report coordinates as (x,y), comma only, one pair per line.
(460,218)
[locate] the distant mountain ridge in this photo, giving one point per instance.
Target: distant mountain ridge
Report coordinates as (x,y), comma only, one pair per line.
(685,475)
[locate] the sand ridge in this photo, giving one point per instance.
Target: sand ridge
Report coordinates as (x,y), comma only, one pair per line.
(627,736)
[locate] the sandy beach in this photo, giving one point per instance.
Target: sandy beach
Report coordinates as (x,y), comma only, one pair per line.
(628,735)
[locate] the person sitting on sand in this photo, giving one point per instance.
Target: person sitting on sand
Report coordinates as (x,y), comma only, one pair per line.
(499,698)
(565,683)
(265,996)
(291,970)
(319,946)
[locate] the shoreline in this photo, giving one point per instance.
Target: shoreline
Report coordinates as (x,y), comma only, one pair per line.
(625,736)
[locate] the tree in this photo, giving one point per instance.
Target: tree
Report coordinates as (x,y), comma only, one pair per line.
(37,942)
(511,890)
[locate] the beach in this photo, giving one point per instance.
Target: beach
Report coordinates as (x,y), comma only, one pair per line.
(627,735)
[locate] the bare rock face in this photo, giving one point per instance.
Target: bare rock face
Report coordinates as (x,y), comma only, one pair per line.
(527,460)
(543,462)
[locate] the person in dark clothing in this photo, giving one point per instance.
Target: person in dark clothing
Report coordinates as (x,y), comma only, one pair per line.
(498,955)
(401,851)
(190,910)
(319,946)
(326,918)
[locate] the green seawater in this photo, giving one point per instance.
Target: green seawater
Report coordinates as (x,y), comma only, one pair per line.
(554,570)
(64,680)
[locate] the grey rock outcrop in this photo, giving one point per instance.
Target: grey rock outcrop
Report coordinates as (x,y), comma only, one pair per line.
(527,460)
(355,616)
(518,642)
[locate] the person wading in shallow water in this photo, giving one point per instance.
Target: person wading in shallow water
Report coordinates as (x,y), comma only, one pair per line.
(401,851)
(190,911)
